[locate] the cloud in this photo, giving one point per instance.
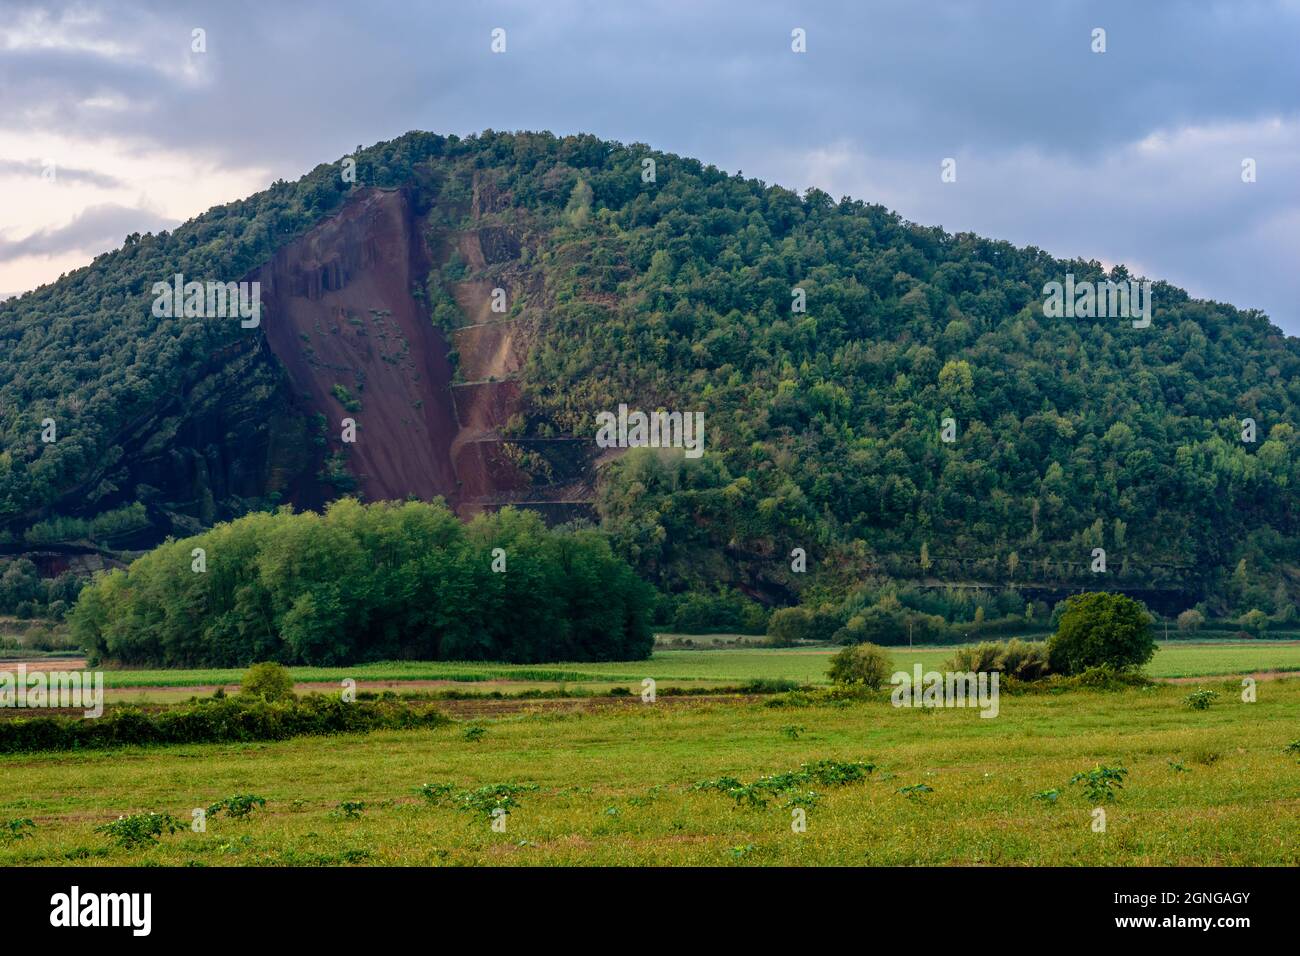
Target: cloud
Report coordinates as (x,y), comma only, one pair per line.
(1130,155)
(67,174)
(94,230)
(1131,206)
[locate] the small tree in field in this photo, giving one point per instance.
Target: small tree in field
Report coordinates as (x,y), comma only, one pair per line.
(268,681)
(1190,620)
(1254,622)
(864,664)
(1100,628)
(788,625)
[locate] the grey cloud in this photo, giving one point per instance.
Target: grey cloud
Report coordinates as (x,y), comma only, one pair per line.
(63,174)
(898,84)
(95,229)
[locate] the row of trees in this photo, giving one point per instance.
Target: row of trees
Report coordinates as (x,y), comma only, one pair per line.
(1096,630)
(23,592)
(370,582)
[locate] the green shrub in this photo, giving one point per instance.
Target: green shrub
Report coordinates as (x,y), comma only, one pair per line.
(792,625)
(1100,628)
(874,625)
(864,664)
(1100,782)
(1254,622)
(344,397)
(828,773)
(1102,677)
(140,829)
(976,657)
(17,829)
(238,806)
(916,790)
(497,796)
(436,792)
(763,685)
(270,682)
(1200,699)
(1024,660)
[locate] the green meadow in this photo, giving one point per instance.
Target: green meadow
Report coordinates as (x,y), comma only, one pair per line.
(728,666)
(616,785)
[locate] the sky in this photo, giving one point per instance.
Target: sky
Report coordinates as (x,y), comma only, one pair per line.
(112,122)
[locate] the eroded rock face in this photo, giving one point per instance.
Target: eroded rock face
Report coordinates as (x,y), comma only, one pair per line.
(341,316)
(345,314)
(346,334)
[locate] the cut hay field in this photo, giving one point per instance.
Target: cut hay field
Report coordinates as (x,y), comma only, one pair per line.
(614,786)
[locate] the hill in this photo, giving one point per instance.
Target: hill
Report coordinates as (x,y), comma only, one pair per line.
(380,305)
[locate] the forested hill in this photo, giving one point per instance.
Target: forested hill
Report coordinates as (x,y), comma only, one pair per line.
(822,426)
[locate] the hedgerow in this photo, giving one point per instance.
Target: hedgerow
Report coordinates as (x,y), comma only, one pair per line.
(214,721)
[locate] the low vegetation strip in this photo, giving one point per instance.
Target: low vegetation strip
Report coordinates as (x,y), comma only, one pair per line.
(804,665)
(216,721)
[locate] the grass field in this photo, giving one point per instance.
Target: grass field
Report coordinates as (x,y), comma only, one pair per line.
(686,667)
(614,787)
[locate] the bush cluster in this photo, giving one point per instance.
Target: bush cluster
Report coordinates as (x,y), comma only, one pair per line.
(1023,660)
(384,581)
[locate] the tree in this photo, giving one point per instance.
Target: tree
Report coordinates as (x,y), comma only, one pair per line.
(1254,622)
(789,625)
(864,664)
(268,681)
(381,581)
(1100,628)
(579,208)
(1190,620)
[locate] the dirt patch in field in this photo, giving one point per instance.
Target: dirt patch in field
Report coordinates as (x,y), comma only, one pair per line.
(1264,643)
(45,664)
(1257,675)
(488,707)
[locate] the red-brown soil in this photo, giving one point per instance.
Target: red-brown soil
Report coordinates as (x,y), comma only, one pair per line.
(339,310)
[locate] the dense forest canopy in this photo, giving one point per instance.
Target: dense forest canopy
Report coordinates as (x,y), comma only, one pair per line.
(385,581)
(823,426)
